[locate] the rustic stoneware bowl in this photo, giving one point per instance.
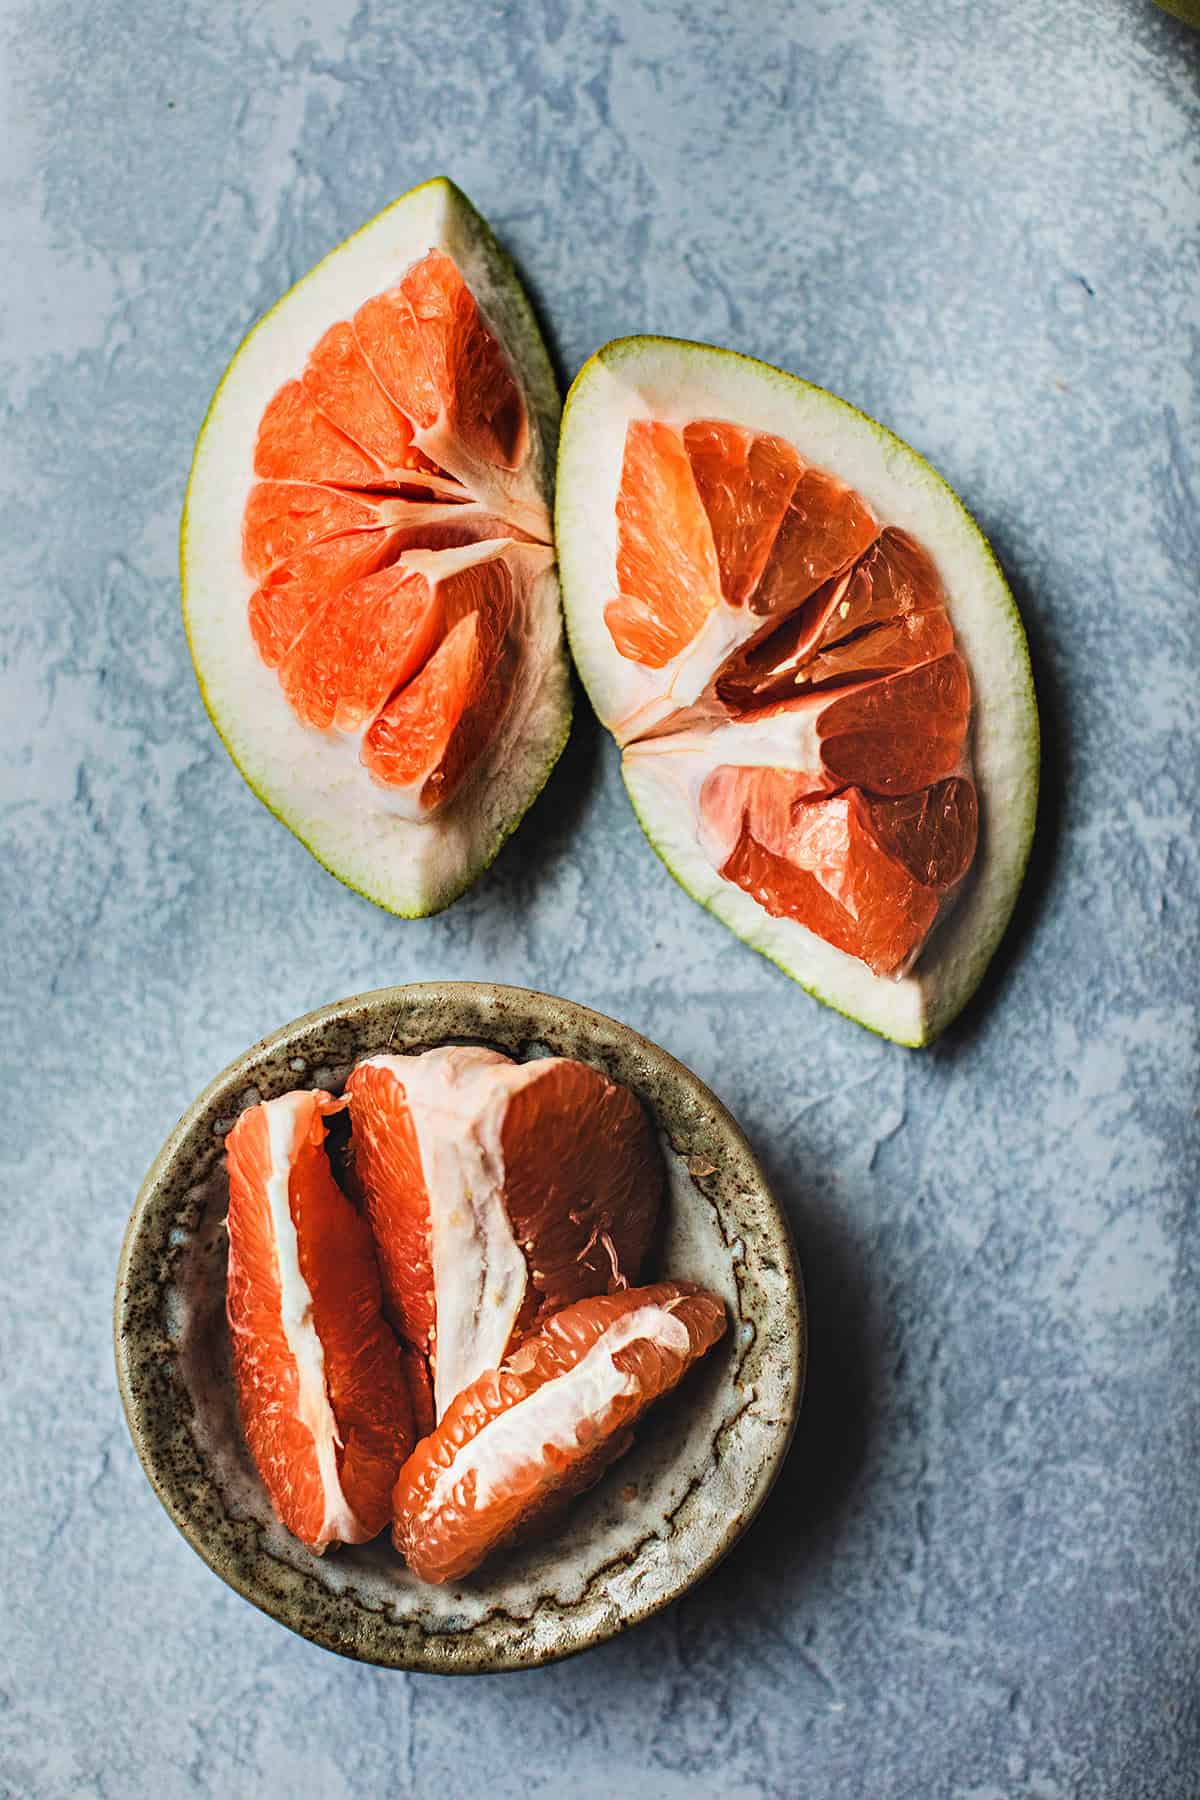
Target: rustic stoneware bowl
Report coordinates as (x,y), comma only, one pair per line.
(663,1516)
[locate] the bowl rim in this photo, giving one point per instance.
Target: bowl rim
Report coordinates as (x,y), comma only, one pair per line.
(139,1250)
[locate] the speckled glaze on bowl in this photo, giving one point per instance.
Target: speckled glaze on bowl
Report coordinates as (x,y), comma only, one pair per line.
(662,1517)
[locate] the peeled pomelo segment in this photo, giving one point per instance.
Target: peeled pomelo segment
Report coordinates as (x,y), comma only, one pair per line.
(497,1190)
(898,734)
(667,569)
(364,1373)
(365,641)
(278,1365)
(894,579)
(883,650)
(321,1390)
(434,729)
(583,1182)
(745,481)
(340,383)
(468,369)
(826,527)
(525,1438)
(297,588)
(296,442)
(388,336)
(283,518)
(826,871)
(387,1157)
(932,833)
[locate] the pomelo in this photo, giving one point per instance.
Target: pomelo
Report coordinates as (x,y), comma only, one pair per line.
(368,579)
(815,670)
(322,1388)
(497,1192)
(524,1439)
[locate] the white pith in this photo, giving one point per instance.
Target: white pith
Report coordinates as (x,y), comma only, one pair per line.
(551,1416)
(405,514)
(676,382)
(685,677)
(306,777)
(680,763)
(457,1100)
(775,740)
(339,1525)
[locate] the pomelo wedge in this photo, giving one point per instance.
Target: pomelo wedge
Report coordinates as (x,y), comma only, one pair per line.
(497,1192)
(368,580)
(321,1386)
(813,666)
(525,1438)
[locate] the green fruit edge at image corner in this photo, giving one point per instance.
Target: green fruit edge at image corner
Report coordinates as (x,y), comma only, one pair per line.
(1186,10)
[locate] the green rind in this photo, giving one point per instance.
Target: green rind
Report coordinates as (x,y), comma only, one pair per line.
(542,383)
(611,355)
(1188,11)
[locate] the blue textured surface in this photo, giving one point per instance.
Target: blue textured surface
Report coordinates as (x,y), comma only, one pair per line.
(979,1577)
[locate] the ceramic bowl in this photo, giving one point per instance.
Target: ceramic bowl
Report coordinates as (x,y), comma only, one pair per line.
(662,1517)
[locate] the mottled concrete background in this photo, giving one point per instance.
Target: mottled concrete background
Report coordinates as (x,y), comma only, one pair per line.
(979,1577)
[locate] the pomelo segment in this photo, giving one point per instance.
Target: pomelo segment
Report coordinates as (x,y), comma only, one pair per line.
(497,1192)
(745,483)
(826,527)
(467,367)
(296,442)
(391,342)
(365,640)
(885,613)
(285,518)
(666,558)
(901,733)
(398,400)
(525,1438)
(864,878)
(341,384)
(297,589)
(432,731)
(863,654)
(321,1389)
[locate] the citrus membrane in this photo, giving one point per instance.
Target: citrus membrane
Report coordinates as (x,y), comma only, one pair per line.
(813,667)
(368,576)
